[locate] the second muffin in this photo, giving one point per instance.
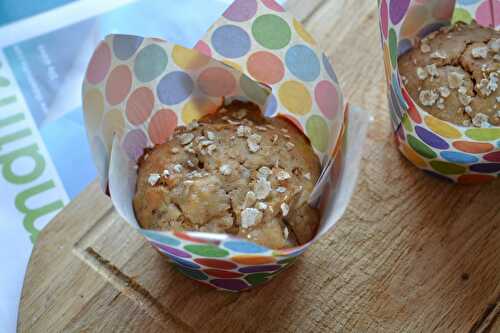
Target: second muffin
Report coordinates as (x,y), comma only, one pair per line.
(453,74)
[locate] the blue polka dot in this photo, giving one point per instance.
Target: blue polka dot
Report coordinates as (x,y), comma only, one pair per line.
(160,238)
(397,111)
(397,90)
(244,247)
(231,41)
(459,158)
(174,88)
(302,62)
(185,263)
(329,69)
(124,46)
(467,2)
(271,106)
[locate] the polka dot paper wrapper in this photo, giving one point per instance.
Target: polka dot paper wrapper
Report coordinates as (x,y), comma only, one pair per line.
(138,90)
(463,154)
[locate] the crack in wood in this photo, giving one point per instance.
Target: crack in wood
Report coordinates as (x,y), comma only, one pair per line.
(489,316)
(131,288)
(123,283)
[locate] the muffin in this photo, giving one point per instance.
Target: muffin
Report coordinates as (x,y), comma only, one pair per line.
(453,74)
(233,172)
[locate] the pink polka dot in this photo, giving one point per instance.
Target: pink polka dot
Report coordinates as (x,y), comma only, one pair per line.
(99,64)
(241,10)
(139,105)
(327,98)
(265,67)
(216,82)
(203,48)
(483,13)
(292,120)
(384,18)
(162,125)
(271,4)
(118,84)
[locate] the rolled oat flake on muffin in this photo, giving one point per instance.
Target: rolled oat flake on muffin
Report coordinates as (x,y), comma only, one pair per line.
(428,97)
(250,217)
(480,52)
(421,73)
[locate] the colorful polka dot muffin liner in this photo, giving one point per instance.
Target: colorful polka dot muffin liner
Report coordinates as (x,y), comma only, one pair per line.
(462,154)
(138,90)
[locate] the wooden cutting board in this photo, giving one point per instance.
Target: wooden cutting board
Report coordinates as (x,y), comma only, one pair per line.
(412,254)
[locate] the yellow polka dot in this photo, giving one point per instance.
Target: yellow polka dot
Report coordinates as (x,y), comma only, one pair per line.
(232,64)
(93,106)
(387,62)
(410,154)
(442,128)
(188,59)
(299,28)
(197,108)
(112,123)
(295,97)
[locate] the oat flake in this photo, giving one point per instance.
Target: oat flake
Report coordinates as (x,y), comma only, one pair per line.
(153,179)
(225,169)
(250,217)
(284,209)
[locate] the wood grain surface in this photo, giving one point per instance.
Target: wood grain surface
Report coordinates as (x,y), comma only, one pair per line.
(412,253)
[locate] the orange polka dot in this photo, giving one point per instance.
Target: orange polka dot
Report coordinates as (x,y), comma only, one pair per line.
(265,67)
(118,84)
(473,147)
(162,126)
(140,105)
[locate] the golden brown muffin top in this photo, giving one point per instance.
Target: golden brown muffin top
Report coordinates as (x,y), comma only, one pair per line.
(233,172)
(453,74)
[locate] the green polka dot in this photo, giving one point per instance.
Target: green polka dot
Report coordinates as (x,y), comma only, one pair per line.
(447,168)
(317,131)
(150,63)
(207,251)
(271,31)
(420,147)
(253,90)
(197,275)
(257,278)
(461,15)
(483,134)
(393,47)
(407,124)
